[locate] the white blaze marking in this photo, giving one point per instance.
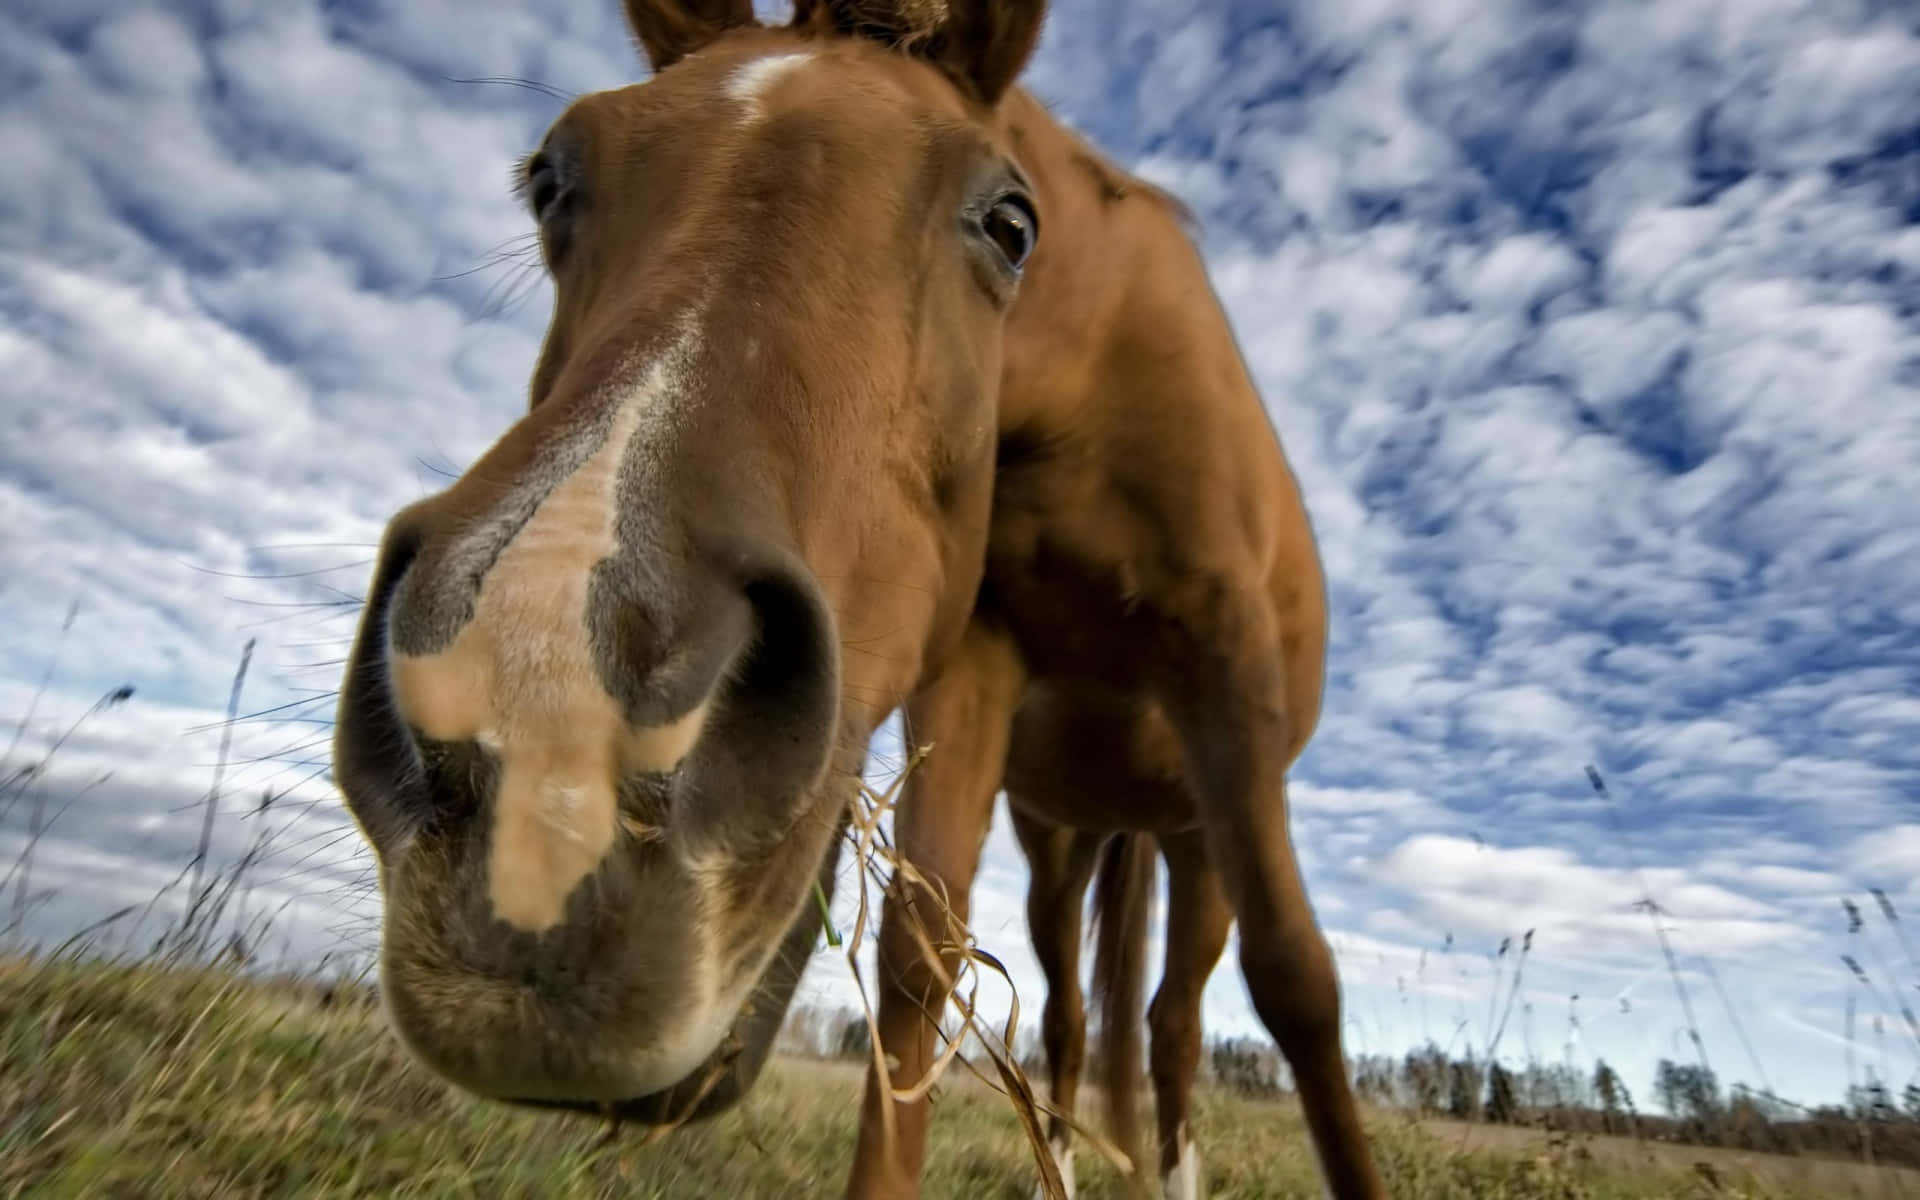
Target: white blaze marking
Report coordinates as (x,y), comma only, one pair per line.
(1183,1181)
(750,82)
(520,676)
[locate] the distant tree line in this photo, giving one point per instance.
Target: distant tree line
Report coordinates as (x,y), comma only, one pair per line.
(1692,1107)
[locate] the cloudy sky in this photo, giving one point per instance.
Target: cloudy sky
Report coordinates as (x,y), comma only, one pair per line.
(1592,329)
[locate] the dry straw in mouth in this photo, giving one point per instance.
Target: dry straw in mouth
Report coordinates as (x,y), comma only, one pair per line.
(873,851)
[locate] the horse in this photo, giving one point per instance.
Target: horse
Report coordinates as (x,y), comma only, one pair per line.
(814,391)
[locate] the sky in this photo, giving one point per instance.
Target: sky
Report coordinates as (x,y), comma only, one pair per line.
(1592,329)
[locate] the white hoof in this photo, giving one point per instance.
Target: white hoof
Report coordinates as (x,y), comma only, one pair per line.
(1183,1182)
(1063,1159)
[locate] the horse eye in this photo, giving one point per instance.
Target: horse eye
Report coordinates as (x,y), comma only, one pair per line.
(1011,225)
(543,186)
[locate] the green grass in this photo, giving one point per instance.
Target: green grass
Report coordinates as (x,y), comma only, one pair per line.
(140,1080)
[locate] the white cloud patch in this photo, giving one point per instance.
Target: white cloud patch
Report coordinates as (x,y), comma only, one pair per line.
(1891,856)
(1480,888)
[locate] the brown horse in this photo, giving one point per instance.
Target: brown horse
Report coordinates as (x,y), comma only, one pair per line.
(818,428)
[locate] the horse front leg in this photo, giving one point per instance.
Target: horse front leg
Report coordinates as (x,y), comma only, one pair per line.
(940,825)
(1243,715)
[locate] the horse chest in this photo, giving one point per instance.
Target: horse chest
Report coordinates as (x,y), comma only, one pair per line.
(1076,616)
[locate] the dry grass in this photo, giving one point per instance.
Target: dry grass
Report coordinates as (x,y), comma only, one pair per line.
(1809,1174)
(142,1080)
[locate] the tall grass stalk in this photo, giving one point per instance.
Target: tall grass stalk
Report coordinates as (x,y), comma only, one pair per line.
(1654,912)
(195,895)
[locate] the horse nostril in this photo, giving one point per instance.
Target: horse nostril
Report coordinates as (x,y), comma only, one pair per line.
(455,776)
(782,699)
(790,659)
(400,548)
(372,752)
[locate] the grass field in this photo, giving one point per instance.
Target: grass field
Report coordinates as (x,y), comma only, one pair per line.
(138,1080)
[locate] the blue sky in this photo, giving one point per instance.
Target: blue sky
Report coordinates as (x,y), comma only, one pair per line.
(1592,329)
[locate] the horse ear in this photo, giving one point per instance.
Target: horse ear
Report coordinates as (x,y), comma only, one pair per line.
(669,30)
(982,44)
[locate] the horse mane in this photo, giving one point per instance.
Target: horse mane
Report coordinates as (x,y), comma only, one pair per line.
(1115,182)
(902,24)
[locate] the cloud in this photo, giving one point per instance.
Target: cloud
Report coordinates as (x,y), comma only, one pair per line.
(1888,856)
(1480,888)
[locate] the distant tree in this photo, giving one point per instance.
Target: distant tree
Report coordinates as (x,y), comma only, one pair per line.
(1666,1086)
(1607,1088)
(803,1031)
(1870,1101)
(1463,1089)
(855,1040)
(1373,1078)
(1686,1090)
(1616,1102)
(1763,1105)
(1746,1120)
(1246,1066)
(1425,1071)
(1554,1085)
(1503,1107)
(1912,1101)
